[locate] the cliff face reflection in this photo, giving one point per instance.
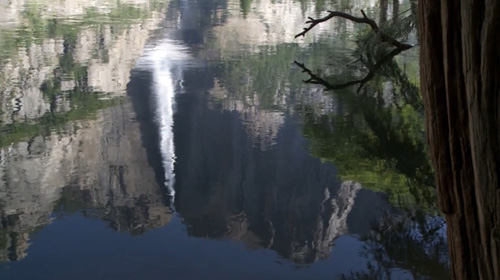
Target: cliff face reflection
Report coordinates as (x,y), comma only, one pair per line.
(70,141)
(103,168)
(279,198)
(143,114)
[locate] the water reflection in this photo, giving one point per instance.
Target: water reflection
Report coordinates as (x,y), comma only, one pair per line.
(382,117)
(108,115)
(288,202)
(164,60)
(102,169)
(53,156)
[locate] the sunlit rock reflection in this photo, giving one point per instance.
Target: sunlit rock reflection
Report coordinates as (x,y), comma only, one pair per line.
(261,26)
(103,53)
(13,11)
(262,125)
(21,79)
(77,160)
(100,166)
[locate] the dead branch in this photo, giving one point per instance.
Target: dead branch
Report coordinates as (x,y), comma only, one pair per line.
(331,14)
(366,20)
(315,79)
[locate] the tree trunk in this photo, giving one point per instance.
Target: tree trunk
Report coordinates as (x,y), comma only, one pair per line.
(384,4)
(395,9)
(460,82)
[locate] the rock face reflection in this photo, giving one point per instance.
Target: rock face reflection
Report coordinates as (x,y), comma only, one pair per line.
(99,163)
(279,198)
(262,126)
(74,53)
(242,170)
(100,166)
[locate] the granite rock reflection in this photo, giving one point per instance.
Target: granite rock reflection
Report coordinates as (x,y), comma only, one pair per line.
(285,201)
(101,166)
(74,160)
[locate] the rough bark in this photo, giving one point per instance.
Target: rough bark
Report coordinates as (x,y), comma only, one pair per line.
(460,73)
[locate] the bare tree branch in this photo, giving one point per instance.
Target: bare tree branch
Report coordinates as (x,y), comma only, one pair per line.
(366,20)
(315,79)
(331,14)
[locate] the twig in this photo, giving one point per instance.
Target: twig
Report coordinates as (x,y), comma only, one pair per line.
(352,62)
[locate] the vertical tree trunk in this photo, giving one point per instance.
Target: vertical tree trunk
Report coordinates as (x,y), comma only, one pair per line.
(395,9)
(384,4)
(460,82)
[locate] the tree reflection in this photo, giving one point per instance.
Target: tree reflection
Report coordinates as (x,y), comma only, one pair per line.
(245,6)
(377,140)
(380,146)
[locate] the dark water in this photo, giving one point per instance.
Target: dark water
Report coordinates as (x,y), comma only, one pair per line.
(177,140)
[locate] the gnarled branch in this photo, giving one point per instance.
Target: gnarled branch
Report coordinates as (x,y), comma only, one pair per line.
(366,20)
(315,79)
(331,14)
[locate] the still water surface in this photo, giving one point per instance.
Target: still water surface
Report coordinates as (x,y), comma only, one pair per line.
(146,139)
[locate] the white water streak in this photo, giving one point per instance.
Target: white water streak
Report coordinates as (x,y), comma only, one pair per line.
(163,90)
(163,60)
